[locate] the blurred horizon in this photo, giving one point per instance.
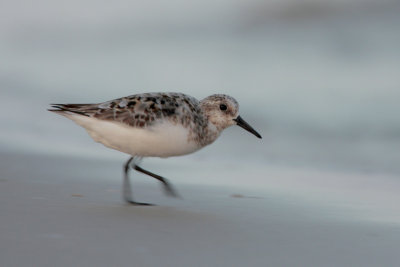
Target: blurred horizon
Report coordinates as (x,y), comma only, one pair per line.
(319,79)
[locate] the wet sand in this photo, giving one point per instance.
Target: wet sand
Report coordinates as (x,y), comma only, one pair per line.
(60,211)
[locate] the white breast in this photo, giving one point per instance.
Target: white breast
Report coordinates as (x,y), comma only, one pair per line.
(161,140)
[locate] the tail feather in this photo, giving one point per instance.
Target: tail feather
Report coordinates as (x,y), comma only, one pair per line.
(68,108)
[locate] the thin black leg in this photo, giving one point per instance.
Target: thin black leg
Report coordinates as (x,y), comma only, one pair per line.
(169,190)
(126,189)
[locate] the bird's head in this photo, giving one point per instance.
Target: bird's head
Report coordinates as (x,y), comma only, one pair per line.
(223,111)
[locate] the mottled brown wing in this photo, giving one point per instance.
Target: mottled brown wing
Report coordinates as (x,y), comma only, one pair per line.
(139,110)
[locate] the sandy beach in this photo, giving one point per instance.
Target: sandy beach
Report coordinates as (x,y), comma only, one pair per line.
(59,211)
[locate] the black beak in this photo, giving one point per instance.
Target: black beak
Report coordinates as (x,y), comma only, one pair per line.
(240,122)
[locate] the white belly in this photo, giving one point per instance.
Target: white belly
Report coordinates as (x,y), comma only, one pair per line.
(161,140)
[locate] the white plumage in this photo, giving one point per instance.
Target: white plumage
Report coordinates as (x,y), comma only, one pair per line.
(163,139)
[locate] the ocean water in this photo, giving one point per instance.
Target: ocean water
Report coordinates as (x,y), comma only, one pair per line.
(321,86)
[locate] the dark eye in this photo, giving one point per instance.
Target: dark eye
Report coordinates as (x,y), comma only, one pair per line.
(223,107)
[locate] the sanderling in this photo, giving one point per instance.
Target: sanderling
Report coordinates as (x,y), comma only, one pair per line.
(155,125)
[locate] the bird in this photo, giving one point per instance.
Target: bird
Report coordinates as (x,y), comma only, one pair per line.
(155,125)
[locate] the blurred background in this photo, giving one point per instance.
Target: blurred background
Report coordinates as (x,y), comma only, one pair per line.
(320,80)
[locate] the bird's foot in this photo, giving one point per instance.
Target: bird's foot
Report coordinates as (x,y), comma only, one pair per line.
(134,203)
(170,191)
